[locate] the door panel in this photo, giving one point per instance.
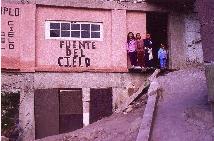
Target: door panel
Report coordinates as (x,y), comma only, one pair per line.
(46,112)
(100,103)
(71,110)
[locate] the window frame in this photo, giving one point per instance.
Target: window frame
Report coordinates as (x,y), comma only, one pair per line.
(47,30)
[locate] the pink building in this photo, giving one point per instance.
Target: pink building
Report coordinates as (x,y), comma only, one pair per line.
(63,54)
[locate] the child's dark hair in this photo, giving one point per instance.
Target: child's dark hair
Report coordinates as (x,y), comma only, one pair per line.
(163,44)
(138,34)
(128,39)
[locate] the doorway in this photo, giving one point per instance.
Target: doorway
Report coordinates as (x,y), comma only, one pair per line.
(70,110)
(156,25)
(100,103)
(57,111)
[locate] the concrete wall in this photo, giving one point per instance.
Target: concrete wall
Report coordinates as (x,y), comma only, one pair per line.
(193,46)
(206,13)
(24,84)
(27,83)
(184,38)
(176,41)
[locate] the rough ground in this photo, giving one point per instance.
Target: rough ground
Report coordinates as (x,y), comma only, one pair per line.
(184,113)
(117,127)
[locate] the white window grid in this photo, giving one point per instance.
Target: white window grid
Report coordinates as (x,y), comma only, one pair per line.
(47,31)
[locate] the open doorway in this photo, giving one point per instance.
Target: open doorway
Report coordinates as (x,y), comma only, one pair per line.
(156,25)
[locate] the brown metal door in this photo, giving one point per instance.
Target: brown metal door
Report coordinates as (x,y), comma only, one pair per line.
(46,112)
(100,103)
(71,110)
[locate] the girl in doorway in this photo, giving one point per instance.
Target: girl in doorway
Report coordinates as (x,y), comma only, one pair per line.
(162,56)
(131,49)
(140,50)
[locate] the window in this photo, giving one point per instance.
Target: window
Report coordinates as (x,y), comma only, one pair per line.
(73,30)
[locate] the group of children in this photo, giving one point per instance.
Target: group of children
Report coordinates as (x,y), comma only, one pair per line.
(141,54)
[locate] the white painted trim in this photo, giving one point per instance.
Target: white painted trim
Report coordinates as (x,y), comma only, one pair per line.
(85,119)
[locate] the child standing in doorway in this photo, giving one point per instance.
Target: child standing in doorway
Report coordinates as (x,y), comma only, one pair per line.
(131,49)
(148,51)
(162,56)
(140,50)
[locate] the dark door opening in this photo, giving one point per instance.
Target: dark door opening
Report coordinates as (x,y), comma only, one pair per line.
(100,103)
(156,25)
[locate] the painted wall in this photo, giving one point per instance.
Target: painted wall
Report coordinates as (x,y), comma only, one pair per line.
(136,23)
(25,48)
(118,38)
(104,55)
(17,45)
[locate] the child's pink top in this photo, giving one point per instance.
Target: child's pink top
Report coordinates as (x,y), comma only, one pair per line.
(131,46)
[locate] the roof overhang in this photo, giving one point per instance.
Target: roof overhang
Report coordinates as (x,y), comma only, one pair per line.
(183,4)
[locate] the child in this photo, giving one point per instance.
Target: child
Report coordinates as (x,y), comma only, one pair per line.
(162,56)
(140,50)
(148,51)
(131,49)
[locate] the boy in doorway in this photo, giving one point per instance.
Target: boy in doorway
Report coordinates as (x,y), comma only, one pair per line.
(162,56)
(148,51)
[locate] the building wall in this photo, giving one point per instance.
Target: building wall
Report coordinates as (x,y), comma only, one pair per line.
(32,52)
(40,54)
(22,83)
(206,14)
(48,51)
(118,40)
(176,40)
(136,23)
(193,45)
(18,46)
(28,83)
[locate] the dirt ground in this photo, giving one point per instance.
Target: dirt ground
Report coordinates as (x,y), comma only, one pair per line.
(184,113)
(117,127)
